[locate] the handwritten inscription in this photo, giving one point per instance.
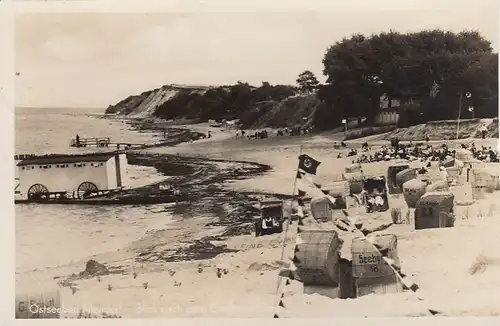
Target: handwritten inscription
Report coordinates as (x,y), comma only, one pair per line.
(273,243)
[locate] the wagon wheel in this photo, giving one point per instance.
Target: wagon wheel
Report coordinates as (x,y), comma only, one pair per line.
(38,191)
(86,189)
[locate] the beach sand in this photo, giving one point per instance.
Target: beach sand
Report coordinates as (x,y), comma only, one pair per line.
(456,268)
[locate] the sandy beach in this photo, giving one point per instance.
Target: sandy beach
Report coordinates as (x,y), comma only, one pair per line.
(149,141)
(172,272)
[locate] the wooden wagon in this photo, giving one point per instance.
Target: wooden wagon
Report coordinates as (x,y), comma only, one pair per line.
(65,177)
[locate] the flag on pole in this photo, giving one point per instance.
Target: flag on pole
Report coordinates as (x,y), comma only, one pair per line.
(434,89)
(308,164)
(307,169)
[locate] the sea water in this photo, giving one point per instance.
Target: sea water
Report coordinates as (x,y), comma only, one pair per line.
(53,235)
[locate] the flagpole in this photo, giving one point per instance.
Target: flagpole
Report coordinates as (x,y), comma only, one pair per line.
(293,195)
(296,172)
(289,221)
(290,216)
(459,112)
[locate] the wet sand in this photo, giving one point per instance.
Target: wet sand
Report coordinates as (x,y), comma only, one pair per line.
(213,231)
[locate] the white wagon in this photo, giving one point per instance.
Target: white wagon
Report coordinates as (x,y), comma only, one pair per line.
(70,176)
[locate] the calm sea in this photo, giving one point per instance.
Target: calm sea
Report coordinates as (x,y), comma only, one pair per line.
(53,235)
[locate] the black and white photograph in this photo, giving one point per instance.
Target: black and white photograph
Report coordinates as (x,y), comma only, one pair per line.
(257,164)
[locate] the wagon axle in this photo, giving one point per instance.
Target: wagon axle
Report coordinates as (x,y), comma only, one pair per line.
(86,190)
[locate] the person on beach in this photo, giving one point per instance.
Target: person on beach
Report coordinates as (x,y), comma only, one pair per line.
(443,174)
(269,222)
(370,203)
(483,131)
(422,170)
(379,201)
(77,138)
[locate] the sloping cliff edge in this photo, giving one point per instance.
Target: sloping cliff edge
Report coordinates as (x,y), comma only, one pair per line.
(275,106)
(145,104)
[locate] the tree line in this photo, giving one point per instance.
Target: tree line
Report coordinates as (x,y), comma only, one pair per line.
(428,73)
(239,101)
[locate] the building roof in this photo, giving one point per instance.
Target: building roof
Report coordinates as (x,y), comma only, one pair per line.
(63,159)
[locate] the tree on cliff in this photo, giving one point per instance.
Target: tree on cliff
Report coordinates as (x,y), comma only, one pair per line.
(405,67)
(307,81)
(237,101)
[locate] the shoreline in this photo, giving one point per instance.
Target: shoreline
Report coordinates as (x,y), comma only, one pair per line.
(204,177)
(169,260)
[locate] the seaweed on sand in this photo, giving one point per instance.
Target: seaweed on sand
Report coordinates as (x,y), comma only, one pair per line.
(203,180)
(198,250)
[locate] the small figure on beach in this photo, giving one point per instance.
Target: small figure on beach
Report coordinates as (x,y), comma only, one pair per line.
(269,222)
(77,139)
(395,143)
(443,173)
(352,152)
(484,130)
(377,193)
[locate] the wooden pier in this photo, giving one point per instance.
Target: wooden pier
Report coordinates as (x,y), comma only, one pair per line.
(84,142)
(101,142)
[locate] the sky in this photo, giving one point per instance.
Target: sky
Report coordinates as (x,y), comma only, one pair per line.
(95,59)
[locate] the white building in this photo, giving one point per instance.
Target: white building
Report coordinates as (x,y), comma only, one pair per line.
(390,110)
(387,117)
(80,175)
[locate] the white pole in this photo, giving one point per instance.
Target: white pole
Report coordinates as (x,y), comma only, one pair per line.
(459,112)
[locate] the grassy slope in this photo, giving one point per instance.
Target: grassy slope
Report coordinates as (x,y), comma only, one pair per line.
(446,129)
(294,110)
(299,110)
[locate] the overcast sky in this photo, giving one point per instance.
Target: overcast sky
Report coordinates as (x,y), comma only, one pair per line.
(97,59)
